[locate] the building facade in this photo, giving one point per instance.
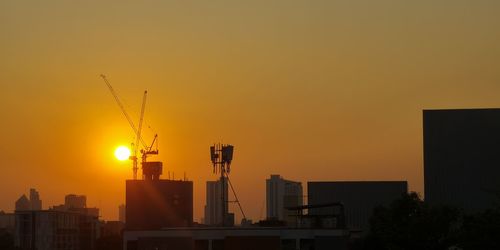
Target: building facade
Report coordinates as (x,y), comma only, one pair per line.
(237,238)
(155,204)
(121,213)
(7,222)
(33,203)
(215,206)
(76,203)
(461,158)
(358,197)
(55,230)
(282,194)
(36,203)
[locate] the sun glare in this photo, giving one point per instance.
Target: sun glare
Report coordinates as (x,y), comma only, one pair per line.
(122,153)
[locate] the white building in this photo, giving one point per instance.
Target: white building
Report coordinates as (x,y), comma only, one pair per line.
(214,204)
(282,194)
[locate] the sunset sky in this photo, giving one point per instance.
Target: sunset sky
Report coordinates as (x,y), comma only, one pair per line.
(311,90)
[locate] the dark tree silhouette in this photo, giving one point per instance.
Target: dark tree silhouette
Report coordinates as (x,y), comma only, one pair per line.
(481,230)
(410,224)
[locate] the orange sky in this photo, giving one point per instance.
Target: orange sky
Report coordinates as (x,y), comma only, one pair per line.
(311,90)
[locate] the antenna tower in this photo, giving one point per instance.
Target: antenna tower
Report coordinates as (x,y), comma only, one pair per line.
(221,156)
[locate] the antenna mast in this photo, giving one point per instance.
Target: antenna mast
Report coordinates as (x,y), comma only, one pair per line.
(221,156)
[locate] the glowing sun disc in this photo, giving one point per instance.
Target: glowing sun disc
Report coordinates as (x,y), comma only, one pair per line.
(122,153)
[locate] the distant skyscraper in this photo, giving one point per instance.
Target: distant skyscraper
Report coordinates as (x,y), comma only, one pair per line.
(121,213)
(75,201)
(214,205)
(281,194)
(462,157)
(23,204)
(33,203)
(36,203)
(359,198)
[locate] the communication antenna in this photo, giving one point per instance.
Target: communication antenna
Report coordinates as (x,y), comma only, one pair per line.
(221,156)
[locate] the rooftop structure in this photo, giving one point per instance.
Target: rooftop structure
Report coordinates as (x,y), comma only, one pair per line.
(358,197)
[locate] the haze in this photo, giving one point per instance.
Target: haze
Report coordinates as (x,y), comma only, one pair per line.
(311,90)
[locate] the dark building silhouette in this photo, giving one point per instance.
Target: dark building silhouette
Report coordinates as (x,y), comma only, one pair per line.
(33,203)
(54,230)
(358,197)
(237,238)
(153,203)
(462,157)
(76,203)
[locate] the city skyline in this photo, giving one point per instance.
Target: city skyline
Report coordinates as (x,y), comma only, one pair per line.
(313,92)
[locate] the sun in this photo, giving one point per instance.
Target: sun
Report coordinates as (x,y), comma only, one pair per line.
(122,153)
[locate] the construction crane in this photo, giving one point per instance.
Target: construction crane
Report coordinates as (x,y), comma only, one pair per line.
(147,150)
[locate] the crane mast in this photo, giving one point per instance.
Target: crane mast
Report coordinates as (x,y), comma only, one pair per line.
(147,150)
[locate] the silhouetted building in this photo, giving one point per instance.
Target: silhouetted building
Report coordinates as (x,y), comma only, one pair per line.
(33,203)
(23,204)
(36,203)
(7,222)
(358,197)
(281,194)
(236,238)
(462,157)
(55,230)
(215,206)
(76,203)
(121,213)
(112,228)
(154,204)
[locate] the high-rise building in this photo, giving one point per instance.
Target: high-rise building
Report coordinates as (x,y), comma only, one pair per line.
(54,230)
(23,204)
(36,203)
(358,197)
(75,201)
(121,213)
(33,203)
(461,157)
(153,203)
(215,206)
(280,195)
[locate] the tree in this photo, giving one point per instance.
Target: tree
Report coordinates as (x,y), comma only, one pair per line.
(408,223)
(481,230)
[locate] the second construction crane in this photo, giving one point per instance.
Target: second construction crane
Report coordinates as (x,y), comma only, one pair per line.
(147,149)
